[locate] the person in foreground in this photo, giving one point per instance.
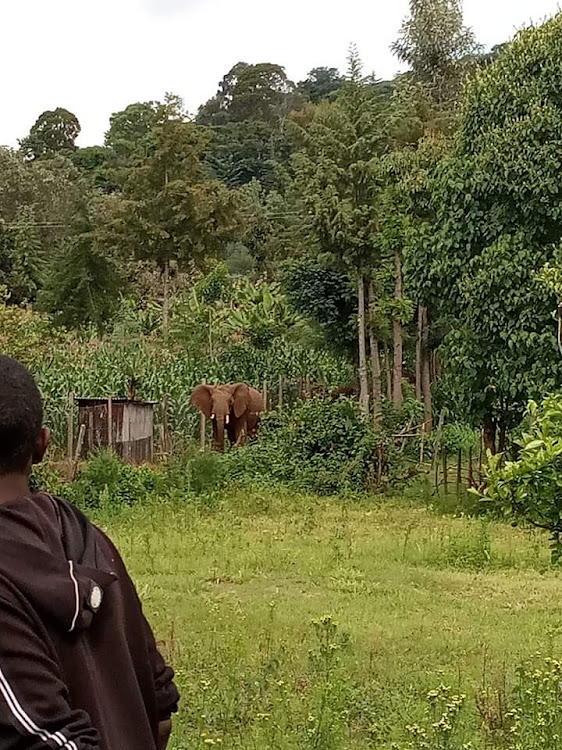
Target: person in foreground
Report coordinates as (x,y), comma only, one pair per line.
(79,666)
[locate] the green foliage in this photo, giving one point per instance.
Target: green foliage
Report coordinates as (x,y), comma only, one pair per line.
(273,228)
(250,93)
(97,163)
(221,310)
(325,296)
(240,152)
(27,335)
(321,83)
(105,480)
(239,260)
(443,729)
(496,209)
(530,489)
(173,210)
(534,717)
(455,437)
(437,46)
(216,286)
(130,136)
(319,446)
(83,286)
(339,174)
(53,132)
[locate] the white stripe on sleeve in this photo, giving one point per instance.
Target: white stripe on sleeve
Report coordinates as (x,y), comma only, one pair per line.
(27,722)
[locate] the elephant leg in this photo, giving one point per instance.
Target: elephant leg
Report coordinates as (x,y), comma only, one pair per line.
(241,430)
(253,425)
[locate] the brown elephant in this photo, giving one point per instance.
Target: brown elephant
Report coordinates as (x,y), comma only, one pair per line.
(234,407)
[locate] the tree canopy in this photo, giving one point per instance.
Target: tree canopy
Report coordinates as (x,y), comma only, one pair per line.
(52,133)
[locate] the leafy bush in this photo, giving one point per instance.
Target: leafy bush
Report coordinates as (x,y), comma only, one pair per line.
(106,480)
(530,489)
(322,446)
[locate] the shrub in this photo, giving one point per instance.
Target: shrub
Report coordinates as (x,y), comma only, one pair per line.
(322,446)
(530,489)
(106,480)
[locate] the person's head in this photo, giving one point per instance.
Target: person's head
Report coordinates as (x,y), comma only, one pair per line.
(23,439)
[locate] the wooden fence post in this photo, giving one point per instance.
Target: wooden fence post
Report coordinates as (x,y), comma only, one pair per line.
(470,468)
(445,472)
(165,434)
(70,428)
(79,444)
(480,459)
(437,448)
(422,445)
(264,393)
(280,391)
(203,428)
(110,423)
(459,473)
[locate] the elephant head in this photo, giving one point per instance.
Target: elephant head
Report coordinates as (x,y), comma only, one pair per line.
(226,406)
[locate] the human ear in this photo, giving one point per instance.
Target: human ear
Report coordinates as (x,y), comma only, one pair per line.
(41,446)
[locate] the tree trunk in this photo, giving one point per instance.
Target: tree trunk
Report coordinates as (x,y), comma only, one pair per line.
(363,379)
(397,332)
(419,390)
(490,429)
(375,368)
(166,303)
(388,372)
(502,437)
(426,371)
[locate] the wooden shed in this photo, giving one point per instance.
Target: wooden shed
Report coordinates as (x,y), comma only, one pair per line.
(123,425)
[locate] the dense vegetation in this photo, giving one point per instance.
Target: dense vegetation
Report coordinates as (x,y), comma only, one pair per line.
(398,237)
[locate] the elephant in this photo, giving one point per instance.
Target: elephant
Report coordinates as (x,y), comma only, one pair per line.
(236,407)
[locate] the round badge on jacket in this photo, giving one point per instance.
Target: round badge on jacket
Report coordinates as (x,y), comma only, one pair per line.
(96,596)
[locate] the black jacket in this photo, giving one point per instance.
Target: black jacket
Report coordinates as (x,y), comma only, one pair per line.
(79,667)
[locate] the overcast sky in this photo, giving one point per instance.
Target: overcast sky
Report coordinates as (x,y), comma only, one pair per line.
(96,56)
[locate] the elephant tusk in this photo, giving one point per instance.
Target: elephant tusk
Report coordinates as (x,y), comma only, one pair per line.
(227,420)
(212,417)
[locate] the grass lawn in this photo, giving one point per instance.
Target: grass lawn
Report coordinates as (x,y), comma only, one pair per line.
(295,622)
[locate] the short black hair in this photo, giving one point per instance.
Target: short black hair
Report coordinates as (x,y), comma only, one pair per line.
(21,416)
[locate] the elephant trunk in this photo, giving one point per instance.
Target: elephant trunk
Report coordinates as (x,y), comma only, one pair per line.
(218,432)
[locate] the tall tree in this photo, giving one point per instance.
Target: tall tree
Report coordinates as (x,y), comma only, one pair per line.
(437,46)
(42,202)
(497,222)
(53,132)
(321,83)
(83,285)
(252,93)
(130,133)
(338,170)
(440,51)
(173,211)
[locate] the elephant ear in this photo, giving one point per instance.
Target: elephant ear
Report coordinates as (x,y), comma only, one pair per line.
(256,402)
(202,399)
(240,398)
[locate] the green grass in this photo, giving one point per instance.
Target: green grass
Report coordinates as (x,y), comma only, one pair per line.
(414,600)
